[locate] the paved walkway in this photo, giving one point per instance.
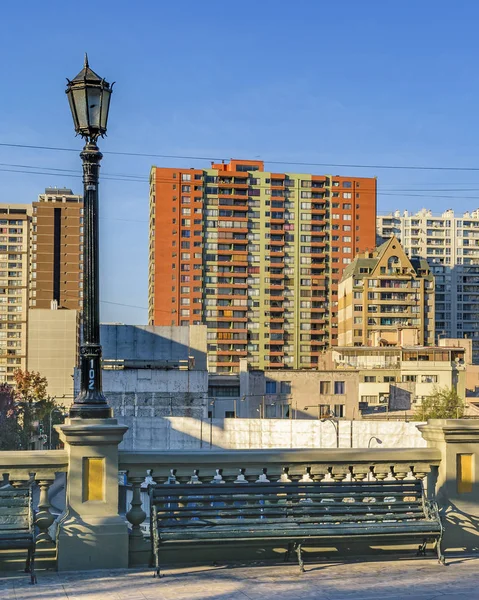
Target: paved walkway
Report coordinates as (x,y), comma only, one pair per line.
(420,579)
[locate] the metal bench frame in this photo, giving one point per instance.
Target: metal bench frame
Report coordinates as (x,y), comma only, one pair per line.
(13,502)
(317,513)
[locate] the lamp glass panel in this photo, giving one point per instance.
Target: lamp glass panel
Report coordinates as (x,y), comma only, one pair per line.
(79,98)
(72,108)
(94,105)
(105,107)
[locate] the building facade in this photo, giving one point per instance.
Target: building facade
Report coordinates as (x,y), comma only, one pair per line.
(14,285)
(450,244)
(256,256)
(57,250)
(399,378)
(52,350)
(40,263)
(386,299)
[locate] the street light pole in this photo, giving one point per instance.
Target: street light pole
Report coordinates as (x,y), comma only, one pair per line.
(89,97)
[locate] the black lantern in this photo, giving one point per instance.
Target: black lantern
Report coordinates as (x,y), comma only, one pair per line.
(89,98)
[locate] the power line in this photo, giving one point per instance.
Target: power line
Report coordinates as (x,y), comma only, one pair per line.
(272,162)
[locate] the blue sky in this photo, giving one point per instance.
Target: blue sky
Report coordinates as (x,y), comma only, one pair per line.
(370,83)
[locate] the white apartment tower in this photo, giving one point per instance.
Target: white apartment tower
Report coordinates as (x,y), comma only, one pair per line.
(451,246)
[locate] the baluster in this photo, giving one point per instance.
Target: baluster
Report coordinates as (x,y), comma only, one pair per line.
(194,478)
(19,479)
(171,478)
(390,474)
(136,515)
(410,474)
(285,476)
(241,478)
(263,478)
(338,475)
(218,478)
(371,474)
(401,473)
(360,474)
(44,518)
(380,475)
(306,477)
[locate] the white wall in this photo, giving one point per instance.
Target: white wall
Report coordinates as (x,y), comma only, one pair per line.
(186,433)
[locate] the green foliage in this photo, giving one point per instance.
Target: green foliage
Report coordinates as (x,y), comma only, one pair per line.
(9,425)
(443,403)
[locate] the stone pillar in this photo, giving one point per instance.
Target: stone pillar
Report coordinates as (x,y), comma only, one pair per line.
(91,534)
(457,486)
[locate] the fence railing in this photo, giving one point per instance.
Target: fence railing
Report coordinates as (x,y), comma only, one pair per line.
(257,466)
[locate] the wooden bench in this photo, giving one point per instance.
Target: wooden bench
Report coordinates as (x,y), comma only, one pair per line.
(17,530)
(295,513)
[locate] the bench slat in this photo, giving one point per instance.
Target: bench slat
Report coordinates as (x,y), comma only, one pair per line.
(338,531)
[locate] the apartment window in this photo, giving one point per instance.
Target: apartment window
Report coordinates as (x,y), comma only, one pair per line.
(369,399)
(339,410)
(335,216)
(347,217)
(428,378)
(370,379)
(347,195)
(389,379)
(186,188)
(347,184)
(324,387)
(185,177)
(285,387)
(271,387)
(409,378)
(339,387)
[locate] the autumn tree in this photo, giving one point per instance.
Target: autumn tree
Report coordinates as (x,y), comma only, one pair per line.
(33,404)
(442,403)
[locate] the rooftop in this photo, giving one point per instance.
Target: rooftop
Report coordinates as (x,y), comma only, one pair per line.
(402,579)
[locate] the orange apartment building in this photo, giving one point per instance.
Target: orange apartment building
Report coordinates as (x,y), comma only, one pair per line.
(256,256)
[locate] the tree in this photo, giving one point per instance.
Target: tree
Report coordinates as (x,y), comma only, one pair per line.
(442,403)
(9,425)
(34,405)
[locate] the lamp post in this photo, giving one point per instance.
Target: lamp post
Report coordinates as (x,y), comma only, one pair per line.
(89,98)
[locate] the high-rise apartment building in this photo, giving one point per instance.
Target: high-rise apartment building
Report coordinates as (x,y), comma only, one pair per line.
(40,262)
(450,244)
(14,277)
(386,299)
(57,250)
(256,256)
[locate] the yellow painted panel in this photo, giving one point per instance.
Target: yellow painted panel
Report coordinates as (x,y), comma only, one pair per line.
(465,468)
(93,479)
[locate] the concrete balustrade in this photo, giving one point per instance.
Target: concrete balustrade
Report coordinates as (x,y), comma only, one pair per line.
(91,534)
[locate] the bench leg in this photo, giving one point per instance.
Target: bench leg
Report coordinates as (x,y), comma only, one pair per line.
(421,551)
(287,554)
(33,577)
(297,548)
(29,560)
(440,553)
(157,565)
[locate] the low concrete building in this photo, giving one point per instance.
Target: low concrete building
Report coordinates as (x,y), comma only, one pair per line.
(399,378)
(52,348)
(283,394)
(152,372)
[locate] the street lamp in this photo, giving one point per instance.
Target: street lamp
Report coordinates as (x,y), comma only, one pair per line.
(89,98)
